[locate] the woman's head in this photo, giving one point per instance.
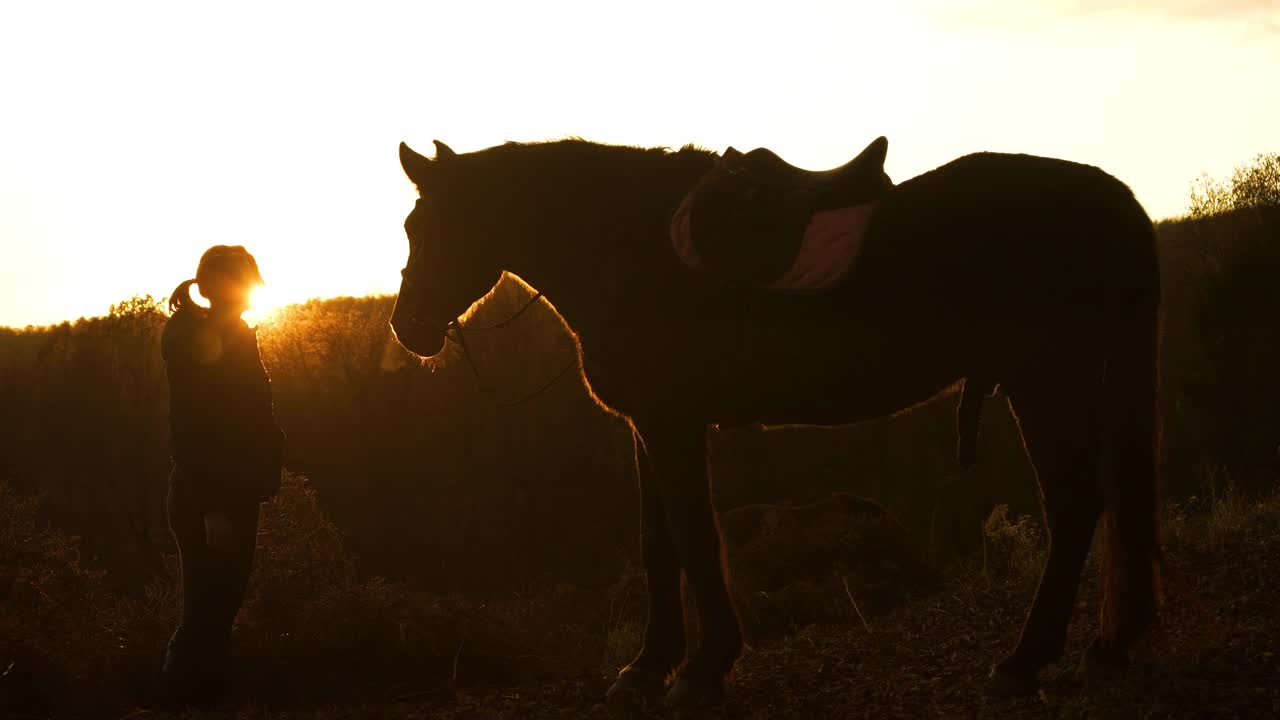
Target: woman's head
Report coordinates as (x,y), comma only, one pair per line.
(226,276)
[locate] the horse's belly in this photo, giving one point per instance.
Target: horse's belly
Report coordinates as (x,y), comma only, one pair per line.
(765,368)
(834,399)
(833,379)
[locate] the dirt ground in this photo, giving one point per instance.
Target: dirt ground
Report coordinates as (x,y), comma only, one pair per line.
(1216,654)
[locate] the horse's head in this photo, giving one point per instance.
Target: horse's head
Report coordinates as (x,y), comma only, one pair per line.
(449,266)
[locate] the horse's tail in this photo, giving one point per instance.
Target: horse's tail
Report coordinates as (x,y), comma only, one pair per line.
(1133,553)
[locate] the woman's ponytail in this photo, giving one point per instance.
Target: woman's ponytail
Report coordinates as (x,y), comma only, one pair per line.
(181,298)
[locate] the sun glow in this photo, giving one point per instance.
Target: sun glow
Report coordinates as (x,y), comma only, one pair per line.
(264,303)
(133,139)
(279,292)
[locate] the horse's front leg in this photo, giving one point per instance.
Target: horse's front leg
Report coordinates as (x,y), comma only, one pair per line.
(680,465)
(644,679)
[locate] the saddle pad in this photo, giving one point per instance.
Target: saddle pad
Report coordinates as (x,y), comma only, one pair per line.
(831,244)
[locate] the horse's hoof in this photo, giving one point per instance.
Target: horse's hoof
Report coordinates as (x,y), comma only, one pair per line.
(1004,682)
(690,695)
(635,691)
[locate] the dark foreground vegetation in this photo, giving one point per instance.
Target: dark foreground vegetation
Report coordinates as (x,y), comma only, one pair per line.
(868,631)
(435,554)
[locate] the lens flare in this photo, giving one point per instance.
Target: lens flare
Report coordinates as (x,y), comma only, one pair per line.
(264,301)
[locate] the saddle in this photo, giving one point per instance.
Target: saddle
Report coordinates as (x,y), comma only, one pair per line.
(755,220)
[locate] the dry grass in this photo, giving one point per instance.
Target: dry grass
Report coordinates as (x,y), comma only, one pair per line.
(316,641)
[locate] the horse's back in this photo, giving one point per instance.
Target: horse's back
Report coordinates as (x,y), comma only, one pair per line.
(1007,190)
(1026,223)
(996,255)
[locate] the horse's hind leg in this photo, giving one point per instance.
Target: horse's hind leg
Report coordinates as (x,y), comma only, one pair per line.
(1059,420)
(679,459)
(644,679)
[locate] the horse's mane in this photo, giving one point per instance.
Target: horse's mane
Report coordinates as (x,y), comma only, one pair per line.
(575,141)
(594,177)
(614,198)
(566,159)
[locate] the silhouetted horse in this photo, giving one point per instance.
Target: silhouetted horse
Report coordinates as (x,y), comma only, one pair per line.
(1035,273)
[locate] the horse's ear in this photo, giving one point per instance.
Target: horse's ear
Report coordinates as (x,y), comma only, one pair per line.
(731,153)
(444,152)
(875,152)
(417,167)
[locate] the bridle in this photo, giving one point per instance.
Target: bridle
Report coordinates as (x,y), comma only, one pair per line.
(454,330)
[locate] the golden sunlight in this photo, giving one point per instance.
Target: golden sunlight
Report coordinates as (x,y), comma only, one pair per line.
(296,159)
(263,303)
(267,300)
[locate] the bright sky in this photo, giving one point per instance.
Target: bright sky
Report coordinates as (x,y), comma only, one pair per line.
(133,136)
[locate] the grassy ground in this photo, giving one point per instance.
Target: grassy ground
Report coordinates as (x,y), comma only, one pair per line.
(550,653)
(1217,653)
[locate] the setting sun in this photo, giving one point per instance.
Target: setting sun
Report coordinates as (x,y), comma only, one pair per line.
(149,132)
(264,302)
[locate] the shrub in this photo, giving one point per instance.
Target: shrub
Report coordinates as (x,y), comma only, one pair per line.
(49,607)
(1255,184)
(1240,339)
(1014,550)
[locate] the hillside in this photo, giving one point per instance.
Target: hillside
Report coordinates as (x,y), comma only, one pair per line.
(447,557)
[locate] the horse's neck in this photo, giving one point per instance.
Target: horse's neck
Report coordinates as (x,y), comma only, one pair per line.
(601,267)
(591,278)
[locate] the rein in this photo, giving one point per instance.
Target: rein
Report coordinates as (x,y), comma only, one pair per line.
(498,326)
(457,332)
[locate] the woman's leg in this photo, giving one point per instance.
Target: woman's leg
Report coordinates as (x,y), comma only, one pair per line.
(186,664)
(234,564)
(214,581)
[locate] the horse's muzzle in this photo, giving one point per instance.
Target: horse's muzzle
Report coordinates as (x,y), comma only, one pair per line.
(420,338)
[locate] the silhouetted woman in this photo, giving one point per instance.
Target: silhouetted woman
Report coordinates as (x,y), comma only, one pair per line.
(227,460)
